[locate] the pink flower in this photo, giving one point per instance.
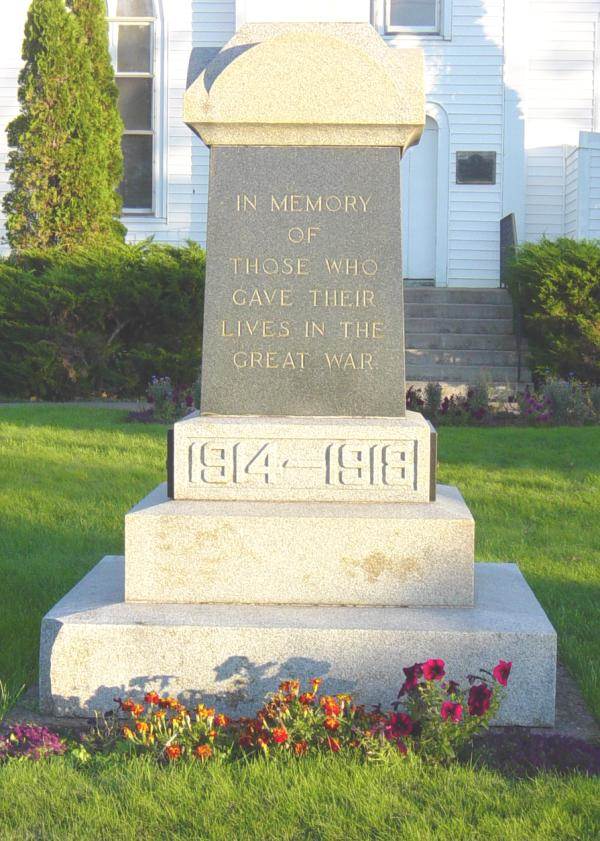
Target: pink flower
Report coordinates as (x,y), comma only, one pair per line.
(451,711)
(433,669)
(479,700)
(413,675)
(501,672)
(400,724)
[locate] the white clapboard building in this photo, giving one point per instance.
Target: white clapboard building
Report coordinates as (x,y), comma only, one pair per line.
(513,104)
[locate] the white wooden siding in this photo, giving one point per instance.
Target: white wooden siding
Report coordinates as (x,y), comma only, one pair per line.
(464,76)
(593,231)
(559,104)
(571,192)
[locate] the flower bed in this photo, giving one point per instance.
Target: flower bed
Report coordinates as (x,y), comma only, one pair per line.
(433,717)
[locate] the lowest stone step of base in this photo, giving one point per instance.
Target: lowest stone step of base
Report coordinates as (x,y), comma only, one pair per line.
(96,646)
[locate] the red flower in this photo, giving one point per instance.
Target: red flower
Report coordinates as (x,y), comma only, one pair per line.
(301,748)
(413,675)
(400,724)
(433,669)
(331,723)
(479,699)
(307,698)
(502,671)
(173,752)
(280,735)
(330,705)
(152,698)
(203,752)
(451,711)
(333,744)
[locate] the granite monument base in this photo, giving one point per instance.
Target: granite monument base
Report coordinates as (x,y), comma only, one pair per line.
(336,553)
(95,646)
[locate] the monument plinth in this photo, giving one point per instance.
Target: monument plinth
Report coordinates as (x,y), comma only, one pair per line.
(302,533)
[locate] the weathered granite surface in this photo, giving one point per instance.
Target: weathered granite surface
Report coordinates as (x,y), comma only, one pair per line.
(304,459)
(331,84)
(300,552)
(303,309)
(94,647)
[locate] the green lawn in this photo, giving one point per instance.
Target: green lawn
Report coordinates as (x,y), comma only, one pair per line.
(67,478)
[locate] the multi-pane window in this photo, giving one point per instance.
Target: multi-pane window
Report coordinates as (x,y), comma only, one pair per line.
(413,16)
(131,28)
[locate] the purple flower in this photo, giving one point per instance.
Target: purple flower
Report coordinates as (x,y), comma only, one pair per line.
(30,741)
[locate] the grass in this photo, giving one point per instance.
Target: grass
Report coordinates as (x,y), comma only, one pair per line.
(319,799)
(68,476)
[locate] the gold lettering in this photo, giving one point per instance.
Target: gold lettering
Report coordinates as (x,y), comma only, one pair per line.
(349,362)
(313,329)
(362,329)
(245,202)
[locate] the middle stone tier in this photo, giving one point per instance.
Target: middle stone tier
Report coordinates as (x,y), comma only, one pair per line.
(331,553)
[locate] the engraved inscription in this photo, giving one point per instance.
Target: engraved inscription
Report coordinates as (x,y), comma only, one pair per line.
(303,464)
(233,462)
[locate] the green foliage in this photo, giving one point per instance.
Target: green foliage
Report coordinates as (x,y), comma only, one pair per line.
(556,284)
(91,15)
(63,169)
(100,319)
(9,695)
(433,398)
(570,401)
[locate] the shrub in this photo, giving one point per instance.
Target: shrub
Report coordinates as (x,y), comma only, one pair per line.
(100,320)
(433,398)
(556,285)
(64,164)
(569,401)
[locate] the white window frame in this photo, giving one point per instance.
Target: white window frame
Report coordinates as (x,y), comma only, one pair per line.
(417,30)
(155,73)
(381,20)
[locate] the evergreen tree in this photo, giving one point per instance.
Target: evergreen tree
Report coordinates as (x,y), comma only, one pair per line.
(92,18)
(61,193)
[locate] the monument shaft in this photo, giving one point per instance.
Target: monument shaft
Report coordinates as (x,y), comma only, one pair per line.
(304,306)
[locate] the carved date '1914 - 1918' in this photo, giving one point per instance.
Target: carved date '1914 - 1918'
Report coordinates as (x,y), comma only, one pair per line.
(339,464)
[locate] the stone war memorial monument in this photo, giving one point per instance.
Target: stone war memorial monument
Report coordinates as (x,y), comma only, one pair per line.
(301,532)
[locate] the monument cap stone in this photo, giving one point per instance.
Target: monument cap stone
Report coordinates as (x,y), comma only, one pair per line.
(330,84)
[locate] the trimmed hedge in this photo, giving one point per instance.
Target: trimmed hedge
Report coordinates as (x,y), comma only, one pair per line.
(100,320)
(556,284)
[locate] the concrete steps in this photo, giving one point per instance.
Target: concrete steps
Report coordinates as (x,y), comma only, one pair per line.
(455,335)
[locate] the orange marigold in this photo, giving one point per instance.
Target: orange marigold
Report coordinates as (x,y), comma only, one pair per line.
(290,687)
(315,683)
(331,723)
(280,735)
(127,705)
(137,710)
(173,752)
(141,726)
(333,744)
(330,705)
(204,752)
(307,698)
(221,720)
(301,748)
(204,712)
